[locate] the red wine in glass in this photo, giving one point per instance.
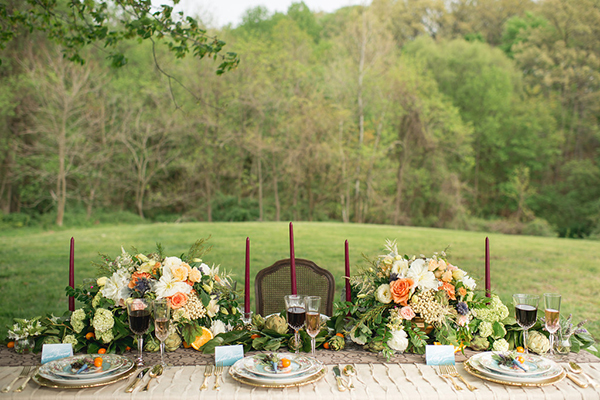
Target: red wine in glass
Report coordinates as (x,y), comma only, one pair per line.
(139,321)
(296,317)
(526,315)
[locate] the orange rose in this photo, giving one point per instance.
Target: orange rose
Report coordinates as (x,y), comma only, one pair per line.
(137,275)
(400,289)
(178,300)
(449,289)
(462,291)
(195,275)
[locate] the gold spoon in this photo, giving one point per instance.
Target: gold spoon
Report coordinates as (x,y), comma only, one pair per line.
(157,371)
(576,369)
(349,371)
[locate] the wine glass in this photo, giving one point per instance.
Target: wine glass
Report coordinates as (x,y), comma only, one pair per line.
(313,319)
(139,322)
(162,315)
(552,311)
(296,314)
(526,306)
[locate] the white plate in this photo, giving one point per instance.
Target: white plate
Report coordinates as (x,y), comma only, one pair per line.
(535,365)
(44,373)
(62,368)
(239,370)
(552,373)
(300,364)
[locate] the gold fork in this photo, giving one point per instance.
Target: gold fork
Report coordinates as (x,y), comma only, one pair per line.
(444,374)
(218,372)
(452,371)
(23,374)
(29,376)
(207,372)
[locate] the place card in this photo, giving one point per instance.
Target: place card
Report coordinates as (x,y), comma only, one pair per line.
(228,355)
(439,355)
(51,352)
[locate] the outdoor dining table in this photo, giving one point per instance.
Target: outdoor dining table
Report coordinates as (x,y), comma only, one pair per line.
(405,376)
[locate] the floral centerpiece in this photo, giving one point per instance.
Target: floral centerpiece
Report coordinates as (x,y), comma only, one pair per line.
(202,299)
(401,303)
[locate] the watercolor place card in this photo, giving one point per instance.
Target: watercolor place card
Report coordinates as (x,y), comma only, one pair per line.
(51,352)
(228,355)
(439,355)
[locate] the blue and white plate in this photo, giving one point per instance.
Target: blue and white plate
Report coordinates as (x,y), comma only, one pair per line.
(540,368)
(299,364)
(59,371)
(240,369)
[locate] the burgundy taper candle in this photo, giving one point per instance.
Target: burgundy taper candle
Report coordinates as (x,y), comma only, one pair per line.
(292,260)
(72,274)
(347,260)
(247,288)
(488,281)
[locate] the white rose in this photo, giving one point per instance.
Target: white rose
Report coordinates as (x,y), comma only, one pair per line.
(217,327)
(398,341)
(469,282)
(458,274)
(399,267)
(213,308)
(383,294)
(101,281)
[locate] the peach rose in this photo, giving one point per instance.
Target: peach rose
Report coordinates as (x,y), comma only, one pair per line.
(462,291)
(136,276)
(400,289)
(432,264)
(180,272)
(447,276)
(449,289)
(178,300)
(407,313)
(195,275)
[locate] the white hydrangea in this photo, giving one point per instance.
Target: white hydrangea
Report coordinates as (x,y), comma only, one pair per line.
(106,336)
(77,319)
(70,339)
(103,320)
(500,345)
(485,329)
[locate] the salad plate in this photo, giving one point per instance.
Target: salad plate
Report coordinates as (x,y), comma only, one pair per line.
(241,371)
(533,365)
(255,364)
(276,383)
(46,371)
(475,364)
(68,367)
(513,381)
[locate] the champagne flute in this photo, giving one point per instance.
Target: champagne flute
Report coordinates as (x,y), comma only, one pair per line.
(296,314)
(552,311)
(526,306)
(139,322)
(313,319)
(162,315)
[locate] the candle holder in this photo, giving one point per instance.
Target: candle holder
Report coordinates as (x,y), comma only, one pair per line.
(247,317)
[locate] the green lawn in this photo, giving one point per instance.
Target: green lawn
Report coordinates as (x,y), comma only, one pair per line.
(34,263)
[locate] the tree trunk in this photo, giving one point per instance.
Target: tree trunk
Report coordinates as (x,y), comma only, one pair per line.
(361,118)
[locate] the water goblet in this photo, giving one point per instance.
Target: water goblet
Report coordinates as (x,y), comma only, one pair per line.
(139,322)
(162,316)
(526,306)
(313,319)
(296,314)
(552,314)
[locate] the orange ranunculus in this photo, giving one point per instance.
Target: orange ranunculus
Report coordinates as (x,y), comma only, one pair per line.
(449,288)
(447,276)
(180,272)
(137,275)
(195,275)
(178,300)
(462,291)
(400,289)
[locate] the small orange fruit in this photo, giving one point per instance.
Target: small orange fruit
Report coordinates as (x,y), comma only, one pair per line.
(102,351)
(326,345)
(202,339)
(520,359)
(98,362)
(520,349)
(186,345)
(127,348)
(10,344)
(89,335)
(339,334)
(256,335)
(285,362)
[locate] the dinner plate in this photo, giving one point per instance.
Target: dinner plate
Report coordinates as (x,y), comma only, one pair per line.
(534,365)
(40,380)
(276,383)
(552,373)
(299,364)
(69,381)
(512,381)
(62,368)
(242,372)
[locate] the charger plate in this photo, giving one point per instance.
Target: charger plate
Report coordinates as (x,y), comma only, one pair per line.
(273,385)
(550,381)
(48,383)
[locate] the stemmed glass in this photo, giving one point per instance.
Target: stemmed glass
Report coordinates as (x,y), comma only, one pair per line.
(162,315)
(139,322)
(552,311)
(313,319)
(296,314)
(526,306)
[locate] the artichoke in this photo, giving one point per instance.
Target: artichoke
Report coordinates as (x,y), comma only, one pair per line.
(173,341)
(374,346)
(479,343)
(151,344)
(258,321)
(337,343)
(537,342)
(292,344)
(277,324)
(51,340)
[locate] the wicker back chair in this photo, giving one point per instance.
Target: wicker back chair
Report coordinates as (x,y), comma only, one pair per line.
(274,282)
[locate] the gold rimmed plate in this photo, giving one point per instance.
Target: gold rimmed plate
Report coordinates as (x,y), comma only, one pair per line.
(274,385)
(56,385)
(537,383)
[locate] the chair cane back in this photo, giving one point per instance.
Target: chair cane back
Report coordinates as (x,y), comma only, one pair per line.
(274,282)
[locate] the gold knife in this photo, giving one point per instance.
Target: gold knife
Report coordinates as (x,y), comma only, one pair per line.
(137,379)
(576,380)
(338,378)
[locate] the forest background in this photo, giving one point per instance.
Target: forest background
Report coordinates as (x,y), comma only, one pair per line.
(463,114)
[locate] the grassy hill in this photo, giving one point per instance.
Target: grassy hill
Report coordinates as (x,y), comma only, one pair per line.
(34,263)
